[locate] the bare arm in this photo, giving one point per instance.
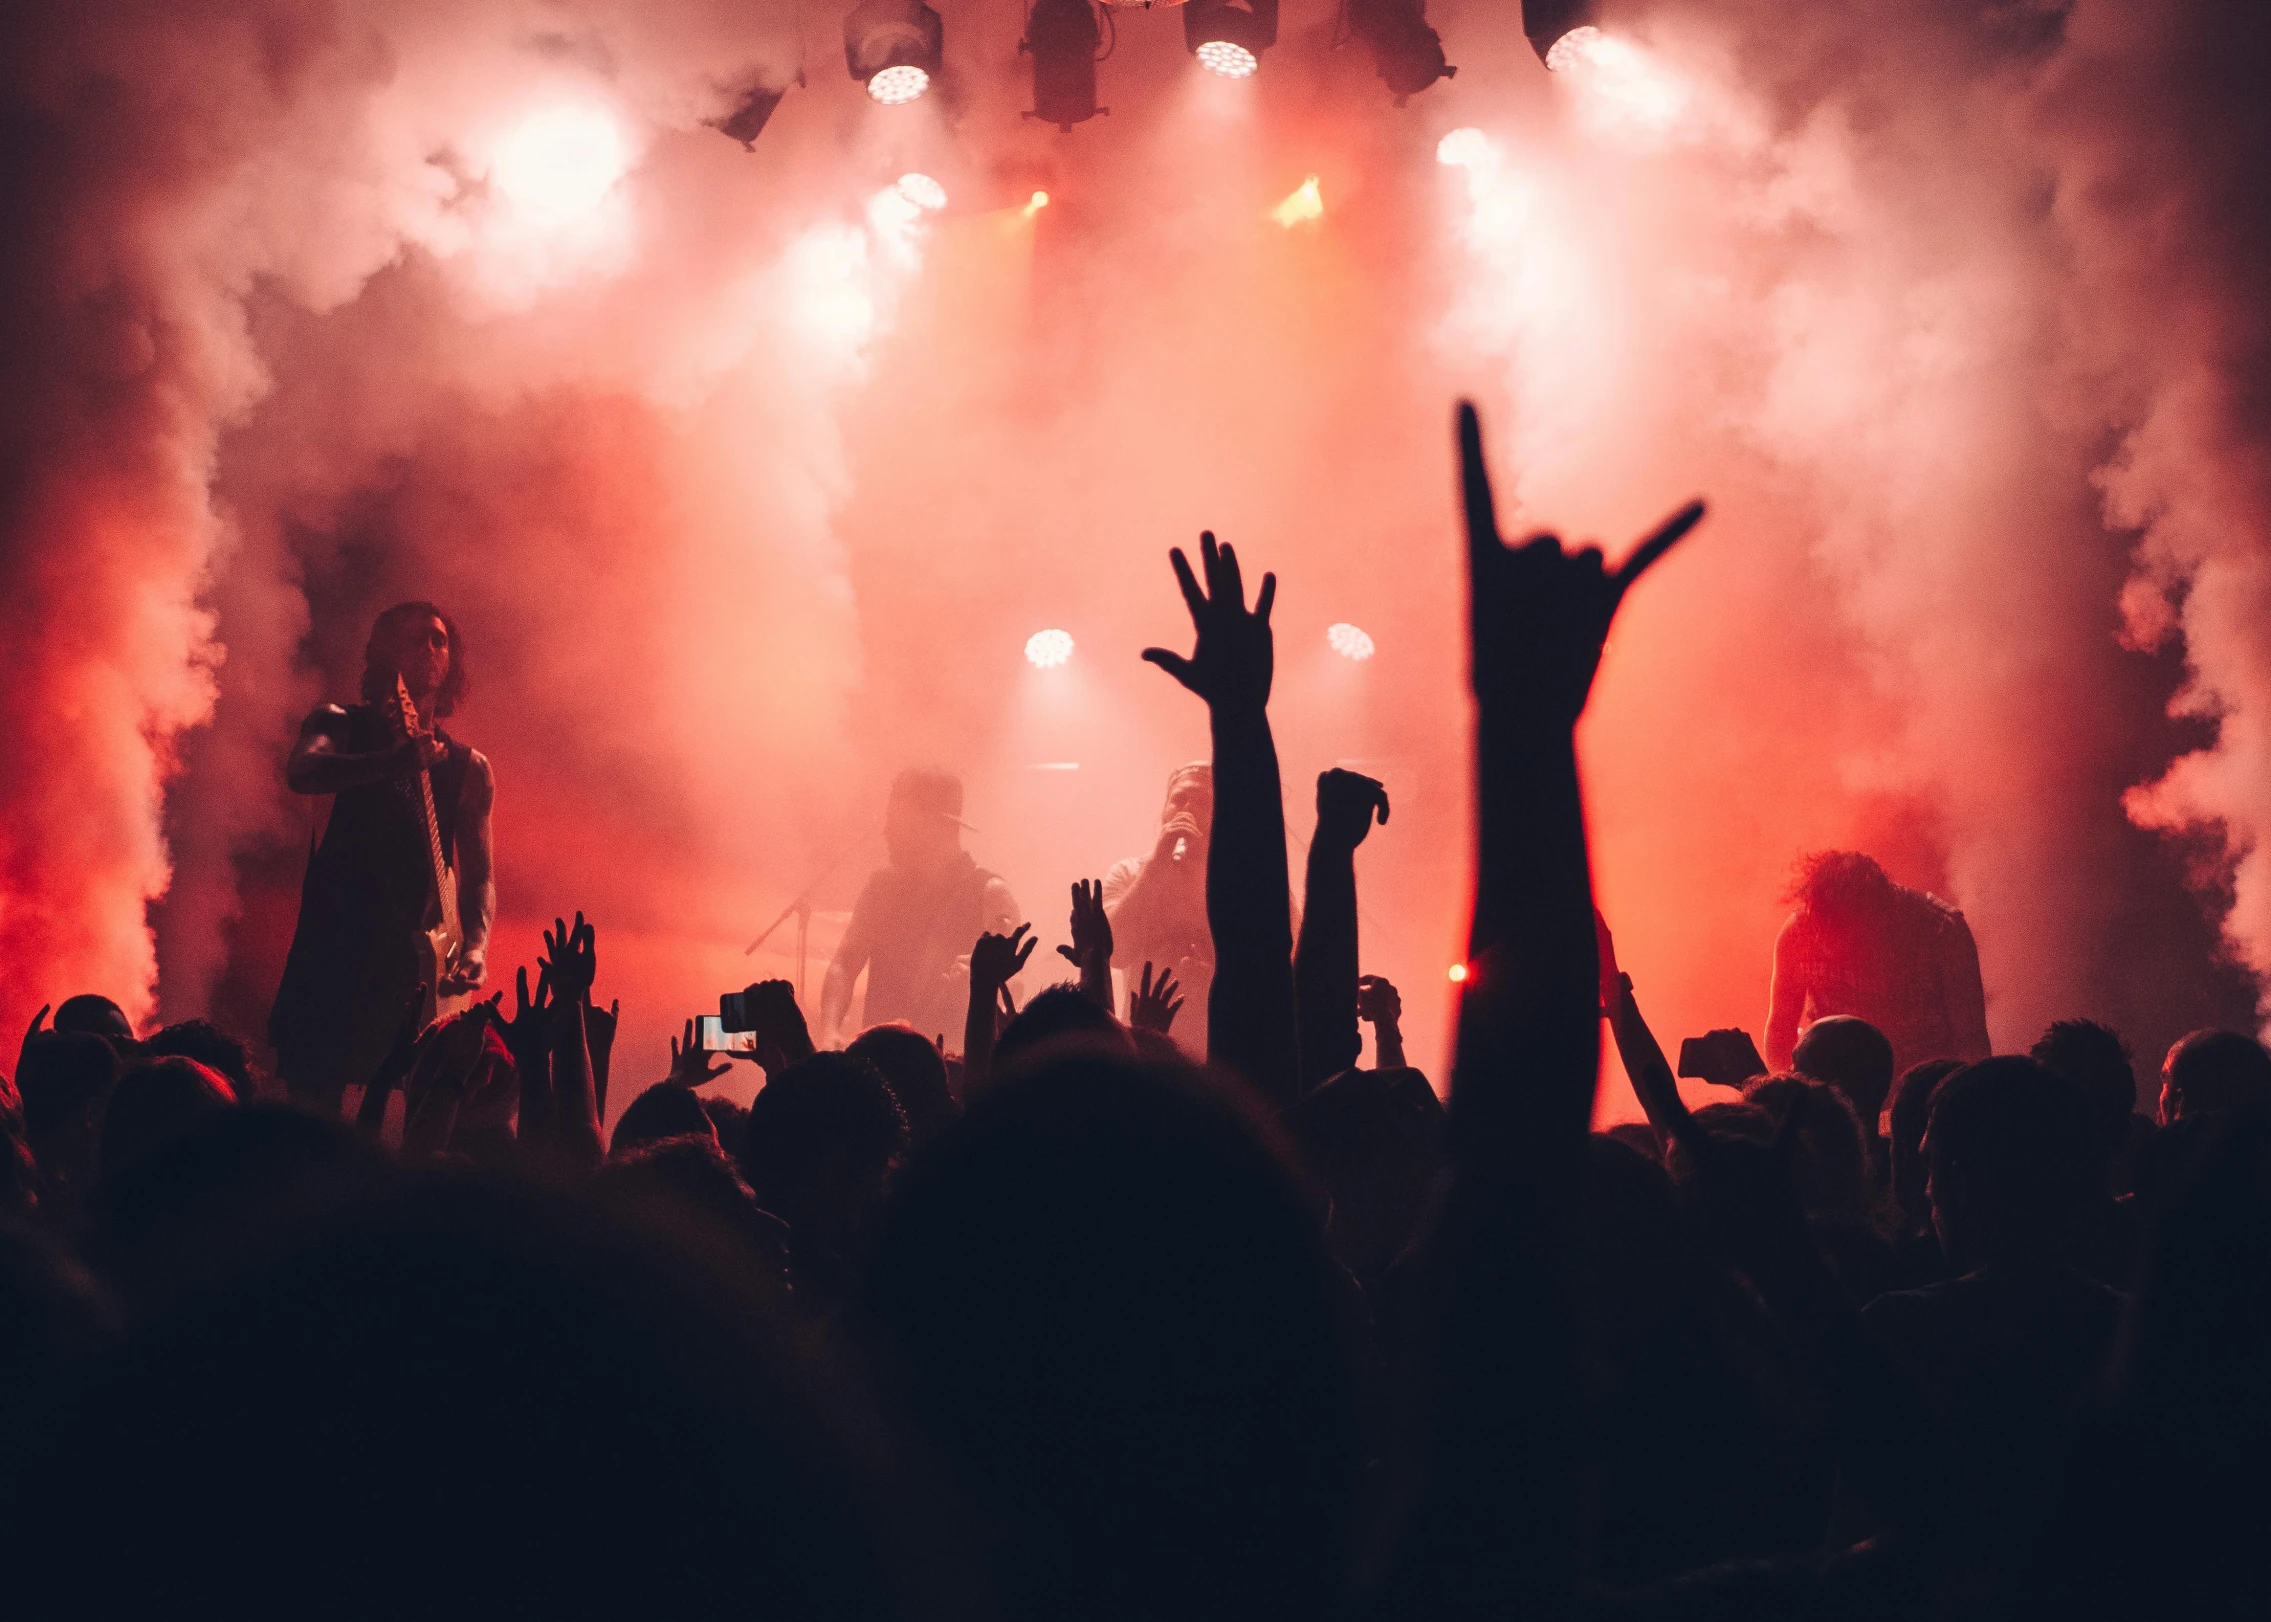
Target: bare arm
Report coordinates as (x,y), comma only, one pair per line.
(476,870)
(852,953)
(317,764)
(1152,916)
(1786,1002)
(1324,961)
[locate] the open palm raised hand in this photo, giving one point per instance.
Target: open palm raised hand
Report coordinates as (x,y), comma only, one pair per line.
(1232,660)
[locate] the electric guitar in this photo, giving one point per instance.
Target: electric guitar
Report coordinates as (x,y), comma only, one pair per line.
(444,936)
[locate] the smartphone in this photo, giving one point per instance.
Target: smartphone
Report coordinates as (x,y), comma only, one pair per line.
(711,1036)
(1724,1058)
(733,1011)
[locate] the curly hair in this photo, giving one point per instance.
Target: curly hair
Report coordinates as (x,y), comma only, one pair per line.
(379,669)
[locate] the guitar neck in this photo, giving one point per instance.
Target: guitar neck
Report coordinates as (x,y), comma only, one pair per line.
(445,886)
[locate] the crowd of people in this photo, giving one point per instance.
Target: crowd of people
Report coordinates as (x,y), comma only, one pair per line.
(1066,1323)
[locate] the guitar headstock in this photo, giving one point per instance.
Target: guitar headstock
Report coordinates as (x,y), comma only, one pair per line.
(401,711)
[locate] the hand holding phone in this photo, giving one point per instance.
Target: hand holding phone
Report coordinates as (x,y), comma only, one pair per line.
(1724,1058)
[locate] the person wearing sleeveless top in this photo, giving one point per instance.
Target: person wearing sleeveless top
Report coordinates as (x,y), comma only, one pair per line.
(368,894)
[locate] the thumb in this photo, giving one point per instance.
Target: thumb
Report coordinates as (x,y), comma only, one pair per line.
(1173,663)
(1068,954)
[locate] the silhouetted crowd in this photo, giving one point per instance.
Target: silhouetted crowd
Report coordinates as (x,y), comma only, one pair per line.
(1068,1325)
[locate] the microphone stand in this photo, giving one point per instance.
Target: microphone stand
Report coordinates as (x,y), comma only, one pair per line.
(801,910)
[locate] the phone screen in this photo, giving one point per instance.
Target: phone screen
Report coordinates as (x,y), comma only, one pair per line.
(711,1036)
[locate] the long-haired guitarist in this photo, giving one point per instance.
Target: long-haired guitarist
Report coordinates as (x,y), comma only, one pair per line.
(402,888)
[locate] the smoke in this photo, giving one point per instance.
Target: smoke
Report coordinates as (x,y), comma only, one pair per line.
(746,479)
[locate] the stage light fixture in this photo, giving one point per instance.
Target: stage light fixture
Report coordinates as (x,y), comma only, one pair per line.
(922,191)
(1035,203)
(1550,25)
(1407,54)
(1046,650)
(1349,641)
(894,48)
(1062,36)
(1458,973)
(1229,39)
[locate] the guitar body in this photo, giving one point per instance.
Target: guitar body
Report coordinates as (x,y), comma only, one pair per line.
(440,942)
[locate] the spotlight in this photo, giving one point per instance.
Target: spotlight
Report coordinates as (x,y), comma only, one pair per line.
(1349,641)
(922,191)
(1035,203)
(1046,650)
(1406,52)
(1304,203)
(1229,39)
(1458,973)
(1463,149)
(1550,22)
(894,47)
(1062,36)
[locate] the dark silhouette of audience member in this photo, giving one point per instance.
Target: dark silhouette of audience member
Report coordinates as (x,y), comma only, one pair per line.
(2095,1058)
(2214,1070)
(65,1080)
(1157,903)
(2005,1355)
(1830,1172)
(212,1047)
(915,918)
(665,1110)
(1102,1305)
(94,1016)
(689,1190)
(152,1102)
(1916,1245)
(1325,952)
(1058,1018)
(19,1171)
(1375,1139)
(543,1411)
(916,1071)
(1858,943)
(1853,1056)
(822,1141)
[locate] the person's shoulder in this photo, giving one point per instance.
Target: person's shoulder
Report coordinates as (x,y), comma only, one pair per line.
(326,718)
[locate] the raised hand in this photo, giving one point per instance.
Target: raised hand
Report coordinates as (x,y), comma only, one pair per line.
(1153,1005)
(1346,803)
(1539,614)
(1232,660)
(782,1036)
(690,1065)
(36,1029)
(1378,1002)
(525,1033)
(571,959)
(1091,930)
(998,959)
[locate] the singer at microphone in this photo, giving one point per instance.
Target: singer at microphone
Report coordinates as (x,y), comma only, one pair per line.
(1157,903)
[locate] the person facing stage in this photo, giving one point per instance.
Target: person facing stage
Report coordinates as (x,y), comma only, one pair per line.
(1157,903)
(1857,943)
(917,918)
(370,897)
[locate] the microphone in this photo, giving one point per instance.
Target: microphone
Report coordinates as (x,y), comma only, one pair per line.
(1182,845)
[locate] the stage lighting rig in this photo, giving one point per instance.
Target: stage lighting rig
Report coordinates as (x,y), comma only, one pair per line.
(1229,39)
(894,47)
(1062,36)
(1550,23)
(1406,52)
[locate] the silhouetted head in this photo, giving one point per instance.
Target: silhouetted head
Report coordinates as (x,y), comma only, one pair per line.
(922,821)
(585,1419)
(210,1046)
(1853,1056)
(153,1101)
(1101,1302)
(419,643)
(2214,1070)
(1061,1016)
(1375,1140)
(2012,1163)
(93,1016)
(1639,1137)
(665,1110)
(1908,1114)
(1830,1167)
(689,1189)
(65,1082)
(2094,1058)
(822,1141)
(916,1071)
(1190,793)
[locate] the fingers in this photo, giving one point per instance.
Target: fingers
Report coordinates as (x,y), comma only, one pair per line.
(1017,965)
(39,1021)
(1267,597)
(1225,584)
(1474,484)
(1193,598)
(1381,797)
(1173,663)
(1069,955)
(1666,536)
